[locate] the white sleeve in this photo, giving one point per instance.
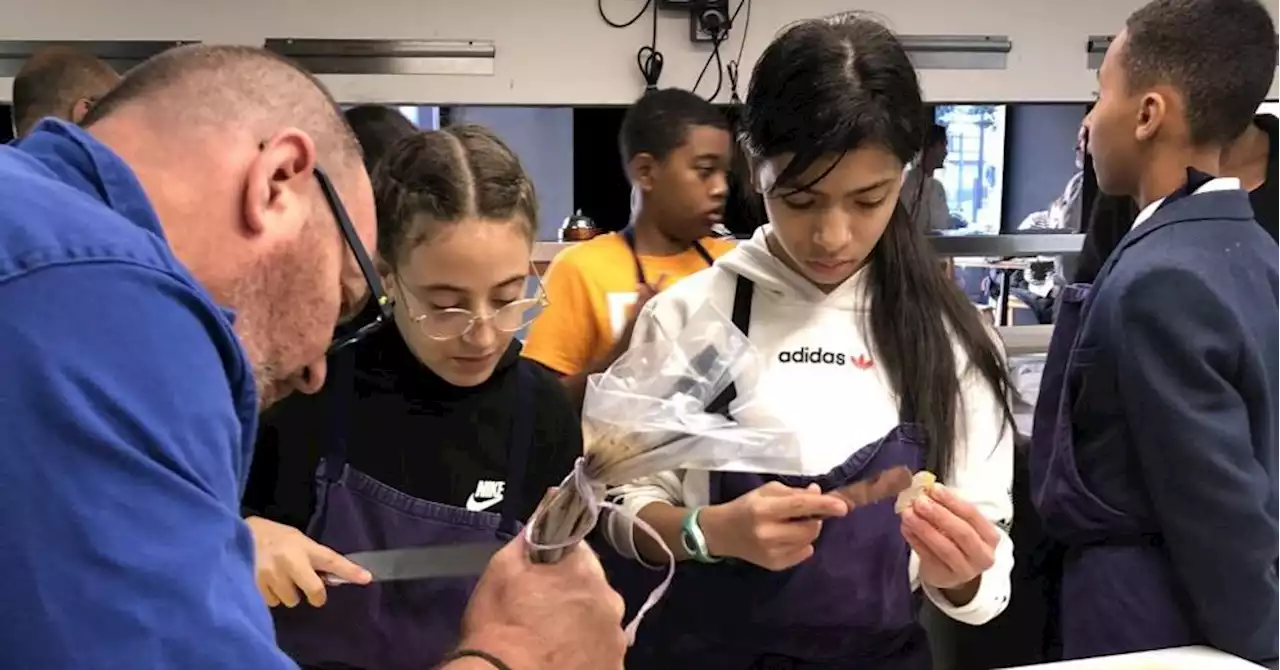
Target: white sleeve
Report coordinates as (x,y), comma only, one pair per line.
(674,487)
(939,213)
(983,475)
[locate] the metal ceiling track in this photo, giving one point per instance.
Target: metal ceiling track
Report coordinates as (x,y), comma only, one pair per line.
(119,54)
(958,52)
(398,57)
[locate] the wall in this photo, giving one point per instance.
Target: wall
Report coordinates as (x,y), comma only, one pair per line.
(543,139)
(559,52)
(1039,157)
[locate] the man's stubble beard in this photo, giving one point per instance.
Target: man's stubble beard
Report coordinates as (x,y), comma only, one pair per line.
(279,302)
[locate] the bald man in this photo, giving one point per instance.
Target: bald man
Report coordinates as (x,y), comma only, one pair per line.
(166,271)
(61,82)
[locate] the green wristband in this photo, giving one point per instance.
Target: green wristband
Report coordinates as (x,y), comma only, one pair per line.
(691,537)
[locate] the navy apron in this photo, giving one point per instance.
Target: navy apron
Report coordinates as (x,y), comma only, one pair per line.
(399,625)
(1118,590)
(849,606)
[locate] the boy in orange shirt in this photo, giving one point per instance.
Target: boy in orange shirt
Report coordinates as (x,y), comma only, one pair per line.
(677,150)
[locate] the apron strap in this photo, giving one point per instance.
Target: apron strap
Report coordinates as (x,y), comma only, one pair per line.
(743,293)
(338,399)
(706,255)
(629,236)
(522,442)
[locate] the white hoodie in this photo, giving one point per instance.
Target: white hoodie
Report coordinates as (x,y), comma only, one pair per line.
(834,408)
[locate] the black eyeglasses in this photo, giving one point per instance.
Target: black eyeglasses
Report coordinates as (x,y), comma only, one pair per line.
(376,293)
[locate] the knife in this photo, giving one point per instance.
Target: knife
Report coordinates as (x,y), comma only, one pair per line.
(454,560)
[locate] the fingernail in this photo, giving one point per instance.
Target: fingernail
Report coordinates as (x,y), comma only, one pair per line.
(924,503)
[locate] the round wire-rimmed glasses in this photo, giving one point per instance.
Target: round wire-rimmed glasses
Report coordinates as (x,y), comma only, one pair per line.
(447,324)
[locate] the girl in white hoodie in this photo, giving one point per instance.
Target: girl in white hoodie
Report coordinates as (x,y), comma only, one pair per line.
(875,359)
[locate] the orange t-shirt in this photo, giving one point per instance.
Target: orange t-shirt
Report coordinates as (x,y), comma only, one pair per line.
(590,288)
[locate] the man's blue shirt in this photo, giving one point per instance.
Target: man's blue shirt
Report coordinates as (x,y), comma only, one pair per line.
(129,412)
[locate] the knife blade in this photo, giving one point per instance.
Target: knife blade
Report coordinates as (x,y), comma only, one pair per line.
(454,560)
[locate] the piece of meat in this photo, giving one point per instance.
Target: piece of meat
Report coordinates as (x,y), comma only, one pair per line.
(881,486)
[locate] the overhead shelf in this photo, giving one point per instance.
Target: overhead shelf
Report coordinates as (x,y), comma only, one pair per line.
(382,57)
(958,52)
(121,55)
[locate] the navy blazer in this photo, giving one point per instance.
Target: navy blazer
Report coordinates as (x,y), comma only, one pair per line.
(1176,406)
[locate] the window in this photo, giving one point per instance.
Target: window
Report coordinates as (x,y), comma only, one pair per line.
(426,118)
(973,174)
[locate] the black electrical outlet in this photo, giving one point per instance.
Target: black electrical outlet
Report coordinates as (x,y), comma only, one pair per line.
(709,20)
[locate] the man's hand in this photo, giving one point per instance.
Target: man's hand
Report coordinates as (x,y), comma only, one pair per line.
(561,616)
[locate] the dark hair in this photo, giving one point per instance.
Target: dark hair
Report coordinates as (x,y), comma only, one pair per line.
(52,81)
(935,135)
(659,122)
(1219,54)
(377,128)
(823,88)
(441,177)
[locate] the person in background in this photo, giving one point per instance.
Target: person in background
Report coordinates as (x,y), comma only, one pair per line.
(676,151)
(1154,445)
(60,82)
(437,424)
(1064,212)
(876,360)
(922,194)
(1253,158)
(378,128)
(151,302)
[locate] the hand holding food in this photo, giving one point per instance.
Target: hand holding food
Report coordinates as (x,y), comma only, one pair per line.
(954,541)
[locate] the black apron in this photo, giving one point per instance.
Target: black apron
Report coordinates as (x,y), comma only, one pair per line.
(629,236)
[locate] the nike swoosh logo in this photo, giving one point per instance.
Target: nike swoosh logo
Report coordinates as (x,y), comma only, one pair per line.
(474,505)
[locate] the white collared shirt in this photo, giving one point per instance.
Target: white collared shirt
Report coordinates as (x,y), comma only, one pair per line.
(1218,184)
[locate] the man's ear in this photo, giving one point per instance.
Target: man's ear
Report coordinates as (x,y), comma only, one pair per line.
(280,185)
(1153,111)
(642,170)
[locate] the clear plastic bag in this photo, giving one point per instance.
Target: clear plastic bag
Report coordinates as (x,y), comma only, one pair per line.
(649,413)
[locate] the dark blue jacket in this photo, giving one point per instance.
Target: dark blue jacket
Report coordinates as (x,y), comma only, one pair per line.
(127,417)
(1175,413)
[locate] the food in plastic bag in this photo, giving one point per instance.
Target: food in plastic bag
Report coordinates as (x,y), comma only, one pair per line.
(648,413)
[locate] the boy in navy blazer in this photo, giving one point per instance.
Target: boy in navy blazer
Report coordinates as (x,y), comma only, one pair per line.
(1155,442)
